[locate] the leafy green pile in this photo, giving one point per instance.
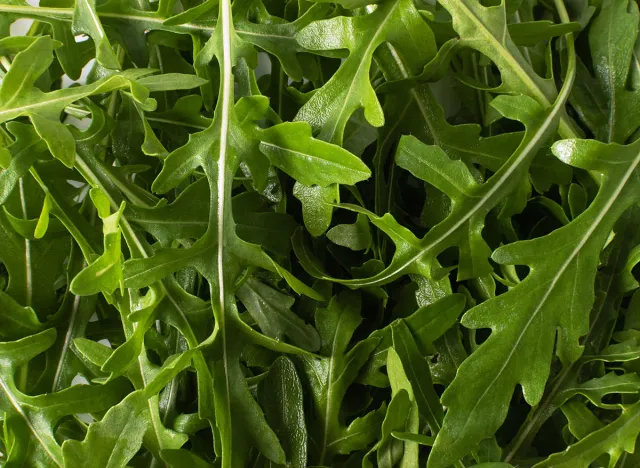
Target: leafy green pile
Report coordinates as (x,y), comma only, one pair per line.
(319,233)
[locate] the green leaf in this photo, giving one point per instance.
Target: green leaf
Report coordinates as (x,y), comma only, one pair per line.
(614,439)
(389,450)
(331,375)
(356,236)
(485,29)
(400,382)
(105,273)
(272,311)
(17,321)
(282,385)
(531,33)
(596,389)
(417,373)
(59,140)
(619,352)
(86,21)
(417,438)
(350,88)
(611,40)
(171,81)
(290,147)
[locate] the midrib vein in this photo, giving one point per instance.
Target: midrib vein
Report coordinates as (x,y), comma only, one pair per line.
(227,97)
(95,19)
(612,90)
(67,342)
(27,249)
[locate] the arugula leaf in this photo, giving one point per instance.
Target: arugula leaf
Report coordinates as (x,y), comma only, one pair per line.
(470,200)
(400,382)
(614,439)
(573,265)
(330,376)
(288,420)
(350,88)
(485,29)
(86,21)
(160,163)
(105,274)
(617,24)
(32,419)
(605,311)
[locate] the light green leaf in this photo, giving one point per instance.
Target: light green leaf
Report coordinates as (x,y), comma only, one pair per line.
(86,21)
(356,236)
(105,273)
(290,147)
(350,88)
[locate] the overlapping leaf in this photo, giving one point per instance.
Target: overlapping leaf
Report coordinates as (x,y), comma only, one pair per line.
(331,375)
(567,275)
(148,211)
(470,201)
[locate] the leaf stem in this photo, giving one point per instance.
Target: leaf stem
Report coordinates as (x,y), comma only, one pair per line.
(5,63)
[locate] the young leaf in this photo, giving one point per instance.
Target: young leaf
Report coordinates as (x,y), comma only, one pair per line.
(105,274)
(331,375)
(400,382)
(418,374)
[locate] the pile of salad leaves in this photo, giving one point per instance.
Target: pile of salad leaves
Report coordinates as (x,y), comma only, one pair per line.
(291,233)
